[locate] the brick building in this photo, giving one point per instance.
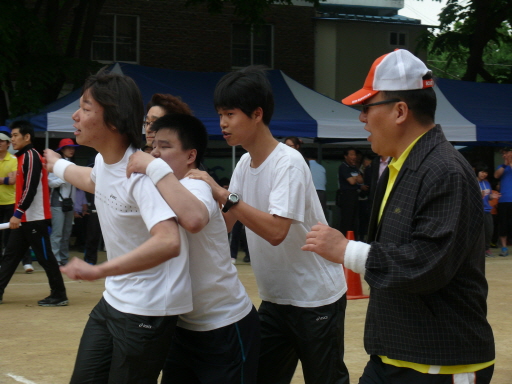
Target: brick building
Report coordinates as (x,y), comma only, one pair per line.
(168,34)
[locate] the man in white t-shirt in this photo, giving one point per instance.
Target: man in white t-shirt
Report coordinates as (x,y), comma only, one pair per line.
(272,193)
(222,309)
(147,281)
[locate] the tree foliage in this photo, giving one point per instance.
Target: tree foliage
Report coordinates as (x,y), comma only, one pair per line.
(41,52)
(474,40)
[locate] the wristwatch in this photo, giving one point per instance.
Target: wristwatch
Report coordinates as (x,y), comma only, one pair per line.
(233,199)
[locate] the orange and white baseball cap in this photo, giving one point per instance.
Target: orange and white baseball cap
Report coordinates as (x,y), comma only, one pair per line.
(399,70)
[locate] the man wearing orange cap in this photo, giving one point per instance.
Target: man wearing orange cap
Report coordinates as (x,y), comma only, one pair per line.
(426,319)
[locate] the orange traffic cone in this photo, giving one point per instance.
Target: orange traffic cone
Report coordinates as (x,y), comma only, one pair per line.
(355,289)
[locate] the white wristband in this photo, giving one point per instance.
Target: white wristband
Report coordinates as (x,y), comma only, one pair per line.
(356,255)
(157,170)
(60,167)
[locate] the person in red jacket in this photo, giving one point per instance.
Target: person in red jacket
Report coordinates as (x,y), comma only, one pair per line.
(31,218)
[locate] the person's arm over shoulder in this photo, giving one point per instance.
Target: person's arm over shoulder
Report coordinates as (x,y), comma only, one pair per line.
(191,211)
(286,201)
(271,227)
(195,214)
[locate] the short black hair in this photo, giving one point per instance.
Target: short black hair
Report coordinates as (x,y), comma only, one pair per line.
(122,103)
(24,127)
(246,90)
(422,102)
(481,168)
(347,150)
(190,130)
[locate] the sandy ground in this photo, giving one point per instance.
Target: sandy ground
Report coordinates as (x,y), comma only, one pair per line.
(38,345)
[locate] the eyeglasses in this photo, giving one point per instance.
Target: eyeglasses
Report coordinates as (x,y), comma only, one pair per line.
(147,124)
(365,107)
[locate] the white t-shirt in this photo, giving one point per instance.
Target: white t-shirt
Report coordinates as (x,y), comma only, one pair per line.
(282,186)
(219,296)
(127,209)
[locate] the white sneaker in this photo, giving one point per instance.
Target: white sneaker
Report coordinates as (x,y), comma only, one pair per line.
(28,268)
(233,261)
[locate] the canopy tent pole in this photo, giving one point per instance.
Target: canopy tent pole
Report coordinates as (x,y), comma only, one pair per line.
(46,140)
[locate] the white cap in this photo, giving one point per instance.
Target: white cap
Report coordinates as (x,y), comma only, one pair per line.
(399,70)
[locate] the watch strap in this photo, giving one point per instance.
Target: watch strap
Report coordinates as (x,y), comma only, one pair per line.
(229,203)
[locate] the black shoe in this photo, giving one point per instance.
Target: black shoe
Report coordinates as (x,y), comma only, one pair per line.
(247,259)
(53,302)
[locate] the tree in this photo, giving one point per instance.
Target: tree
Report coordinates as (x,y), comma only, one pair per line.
(41,51)
(471,31)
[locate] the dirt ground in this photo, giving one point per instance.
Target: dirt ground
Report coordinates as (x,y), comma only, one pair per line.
(38,345)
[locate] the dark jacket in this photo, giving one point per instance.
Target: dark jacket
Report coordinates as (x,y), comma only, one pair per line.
(426,262)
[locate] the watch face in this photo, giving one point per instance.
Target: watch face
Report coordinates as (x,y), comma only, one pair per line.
(233,198)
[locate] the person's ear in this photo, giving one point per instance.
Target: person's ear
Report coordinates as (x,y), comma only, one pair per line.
(258,114)
(192,155)
(402,112)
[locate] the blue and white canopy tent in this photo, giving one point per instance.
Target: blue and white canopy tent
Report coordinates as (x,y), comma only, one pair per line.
(299,111)
(468,112)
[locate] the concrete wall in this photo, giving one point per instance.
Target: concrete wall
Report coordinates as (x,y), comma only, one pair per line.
(357,44)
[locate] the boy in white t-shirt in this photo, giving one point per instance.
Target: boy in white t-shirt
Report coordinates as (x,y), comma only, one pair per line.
(272,193)
(147,282)
(218,342)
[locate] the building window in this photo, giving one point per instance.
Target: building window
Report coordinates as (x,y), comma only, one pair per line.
(397,39)
(116,38)
(252,45)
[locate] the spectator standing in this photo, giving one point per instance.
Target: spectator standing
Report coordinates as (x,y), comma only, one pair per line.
(63,211)
(31,218)
(372,175)
(426,318)
(487,195)
(93,232)
(8,167)
(504,174)
(350,179)
(239,239)
(319,177)
(79,231)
